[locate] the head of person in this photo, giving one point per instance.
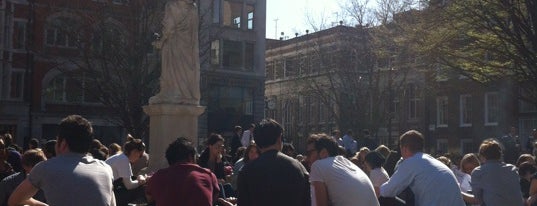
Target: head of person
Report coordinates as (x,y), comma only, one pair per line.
(251,153)
(336,133)
(3,151)
(384,150)
(30,158)
(113,149)
(526,170)
(288,149)
(446,161)
(237,129)
(134,149)
(251,127)
(181,151)
(349,132)
(49,149)
(534,133)
(525,158)
(469,162)
(490,149)
(374,160)
(268,133)
(96,144)
(8,139)
(33,144)
(320,146)
(74,135)
(215,144)
(410,143)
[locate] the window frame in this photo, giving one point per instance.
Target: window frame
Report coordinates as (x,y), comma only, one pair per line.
(489,108)
(439,110)
(465,108)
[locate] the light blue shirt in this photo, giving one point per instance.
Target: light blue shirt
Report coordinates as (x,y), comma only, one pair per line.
(496,183)
(349,144)
(432,182)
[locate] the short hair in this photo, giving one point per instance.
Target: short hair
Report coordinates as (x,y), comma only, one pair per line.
(469,158)
(180,150)
(50,148)
(250,126)
(375,159)
(526,168)
(77,132)
(214,138)
(96,144)
(237,128)
(246,157)
(267,132)
(114,148)
(32,156)
(446,161)
(34,142)
(413,140)
(384,150)
(490,149)
(322,141)
(135,144)
(8,139)
(525,158)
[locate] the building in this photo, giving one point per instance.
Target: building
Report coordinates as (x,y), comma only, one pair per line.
(38,57)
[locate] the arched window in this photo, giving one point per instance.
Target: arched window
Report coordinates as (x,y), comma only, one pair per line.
(70,89)
(108,37)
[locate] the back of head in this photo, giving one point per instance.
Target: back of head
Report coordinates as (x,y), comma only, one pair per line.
(31,157)
(214,138)
(135,144)
(114,148)
(180,150)
(34,143)
(323,141)
(8,139)
(237,129)
(413,140)
(375,159)
(490,150)
(526,168)
(382,149)
(77,132)
(267,132)
(49,149)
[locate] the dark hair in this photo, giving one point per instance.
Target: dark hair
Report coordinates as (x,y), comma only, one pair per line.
(135,144)
(96,144)
(323,141)
(214,138)
(34,143)
(413,140)
(114,148)
(77,132)
(247,151)
(49,149)
(237,128)
(267,132)
(375,159)
(8,139)
(32,156)
(250,126)
(490,149)
(180,150)
(525,168)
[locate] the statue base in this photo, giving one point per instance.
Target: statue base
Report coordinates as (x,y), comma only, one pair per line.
(167,123)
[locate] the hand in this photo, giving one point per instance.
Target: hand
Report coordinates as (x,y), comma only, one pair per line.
(231,201)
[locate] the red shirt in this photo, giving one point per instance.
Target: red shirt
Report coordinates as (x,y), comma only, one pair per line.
(183,184)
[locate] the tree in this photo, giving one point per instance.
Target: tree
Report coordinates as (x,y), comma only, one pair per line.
(487,41)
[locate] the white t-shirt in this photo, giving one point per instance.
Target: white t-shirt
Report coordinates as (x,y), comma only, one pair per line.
(345,182)
(121,168)
(378,176)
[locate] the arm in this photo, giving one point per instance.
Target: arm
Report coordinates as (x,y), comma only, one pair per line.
(125,172)
(400,180)
(321,193)
(23,195)
(469,198)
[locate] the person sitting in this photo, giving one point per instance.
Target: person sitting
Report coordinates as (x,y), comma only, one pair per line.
(183,182)
(126,189)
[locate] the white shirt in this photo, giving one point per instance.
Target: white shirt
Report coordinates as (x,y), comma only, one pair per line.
(121,168)
(345,182)
(378,176)
(245,140)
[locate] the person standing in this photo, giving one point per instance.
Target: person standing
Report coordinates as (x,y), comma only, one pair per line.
(273,178)
(183,182)
(247,135)
(432,182)
(334,180)
(72,177)
(236,140)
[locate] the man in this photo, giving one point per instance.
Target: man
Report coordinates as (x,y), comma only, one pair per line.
(183,182)
(273,178)
(334,179)
(14,157)
(350,145)
(495,182)
(247,135)
(432,182)
(531,141)
(72,177)
(511,146)
(236,140)
(127,190)
(29,159)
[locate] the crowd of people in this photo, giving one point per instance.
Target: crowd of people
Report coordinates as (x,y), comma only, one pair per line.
(260,169)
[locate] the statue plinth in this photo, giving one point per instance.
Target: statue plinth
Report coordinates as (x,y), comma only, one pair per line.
(167,123)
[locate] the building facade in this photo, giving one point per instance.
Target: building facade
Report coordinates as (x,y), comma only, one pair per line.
(35,92)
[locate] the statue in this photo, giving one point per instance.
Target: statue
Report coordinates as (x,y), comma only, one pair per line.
(180,73)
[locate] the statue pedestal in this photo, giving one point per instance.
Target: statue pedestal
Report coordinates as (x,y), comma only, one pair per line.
(167,123)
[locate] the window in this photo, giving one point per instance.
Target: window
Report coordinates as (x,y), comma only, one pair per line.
(232,13)
(216,11)
(107,38)
(290,67)
(441,146)
(465,104)
(395,109)
(215,52)
(249,56)
(250,16)
(467,146)
(61,32)
(16,90)
(120,1)
(238,55)
(19,34)
(66,89)
(413,102)
(491,108)
(442,111)
(526,106)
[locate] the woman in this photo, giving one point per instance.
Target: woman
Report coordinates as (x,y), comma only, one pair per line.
(125,188)
(373,164)
(212,157)
(468,163)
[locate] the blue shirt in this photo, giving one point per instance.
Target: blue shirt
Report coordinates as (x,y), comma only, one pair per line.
(496,183)
(432,182)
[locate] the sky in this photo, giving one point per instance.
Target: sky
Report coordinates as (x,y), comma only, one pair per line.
(291,15)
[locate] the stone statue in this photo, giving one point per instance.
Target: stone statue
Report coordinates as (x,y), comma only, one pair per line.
(180,74)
